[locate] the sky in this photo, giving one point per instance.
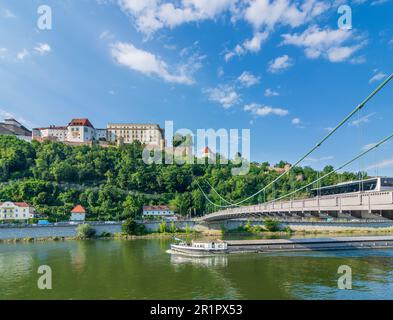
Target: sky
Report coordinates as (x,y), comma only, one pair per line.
(286,70)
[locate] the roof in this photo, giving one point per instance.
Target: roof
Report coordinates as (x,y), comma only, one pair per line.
(52,127)
(81,122)
(18,204)
(15,129)
(206,150)
(78,209)
(156,208)
(150,125)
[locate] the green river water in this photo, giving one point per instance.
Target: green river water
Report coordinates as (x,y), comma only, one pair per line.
(142,269)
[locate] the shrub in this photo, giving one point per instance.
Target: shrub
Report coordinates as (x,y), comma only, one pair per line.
(172,228)
(131,227)
(187,229)
(271,225)
(105,234)
(162,227)
(85,231)
(248,227)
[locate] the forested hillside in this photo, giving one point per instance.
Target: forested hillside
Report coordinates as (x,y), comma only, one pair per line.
(114,182)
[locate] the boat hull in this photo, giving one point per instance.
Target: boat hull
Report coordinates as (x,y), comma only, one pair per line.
(193,251)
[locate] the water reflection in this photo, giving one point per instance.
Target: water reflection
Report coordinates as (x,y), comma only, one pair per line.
(143,270)
(78,255)
(208,261)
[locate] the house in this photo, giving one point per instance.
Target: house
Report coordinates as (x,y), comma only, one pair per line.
(80,130)
(53,133)
(78,213)
(13,127)
(16,211)
(149,134)
(159,212)
(77,132)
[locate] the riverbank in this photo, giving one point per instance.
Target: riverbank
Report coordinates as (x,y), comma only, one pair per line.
(116,236)
(230,229)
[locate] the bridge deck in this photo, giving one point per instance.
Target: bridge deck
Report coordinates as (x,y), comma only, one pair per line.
(360,205)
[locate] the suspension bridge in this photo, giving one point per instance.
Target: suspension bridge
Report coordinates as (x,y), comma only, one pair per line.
(363,204)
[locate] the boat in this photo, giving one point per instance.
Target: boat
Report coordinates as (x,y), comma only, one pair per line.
(199,248)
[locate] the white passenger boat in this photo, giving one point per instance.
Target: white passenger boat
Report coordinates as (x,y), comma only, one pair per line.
(199,248)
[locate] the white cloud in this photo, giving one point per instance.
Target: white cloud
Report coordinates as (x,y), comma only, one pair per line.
(43,48)
(254,44)
(22,54)
(388,163)
(152,15)
(271,93)
(296,121)
(267,14)
(358,60)
(224,95)
(106,35)
(3,51)
(251,45)
(280,64)
(368,146)
(326,43)
(361,120)
(7,115)
(379,2)
(378,76)
(8,13)
(263,110)
(220,72)
(247,79)
(147,63)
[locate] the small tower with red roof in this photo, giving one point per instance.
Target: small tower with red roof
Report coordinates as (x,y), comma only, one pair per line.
(78,213)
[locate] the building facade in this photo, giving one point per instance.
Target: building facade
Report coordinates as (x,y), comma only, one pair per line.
(14,128)
(16,211)
(53,133)
(148,134)
(80,131)
(159,212)
(78,213)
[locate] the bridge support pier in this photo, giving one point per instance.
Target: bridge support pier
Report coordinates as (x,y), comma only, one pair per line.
(367,215)
(339,215)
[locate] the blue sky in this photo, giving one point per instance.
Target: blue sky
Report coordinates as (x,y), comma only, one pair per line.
(281,68)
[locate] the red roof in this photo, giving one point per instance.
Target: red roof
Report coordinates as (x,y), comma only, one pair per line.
(81,122)
(78,209)
(18,204)
(155,208)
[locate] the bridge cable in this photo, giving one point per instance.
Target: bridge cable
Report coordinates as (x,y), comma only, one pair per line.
(359,156)
(333,171)
(348,117)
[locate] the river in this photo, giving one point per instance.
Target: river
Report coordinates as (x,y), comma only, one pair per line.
(142,269)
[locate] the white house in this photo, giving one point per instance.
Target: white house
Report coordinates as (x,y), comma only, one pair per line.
(54,133)
(16,211)
(80,130)
(78,213)
(159,211)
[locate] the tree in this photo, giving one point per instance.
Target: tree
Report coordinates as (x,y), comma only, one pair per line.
(85,231)
(131,227)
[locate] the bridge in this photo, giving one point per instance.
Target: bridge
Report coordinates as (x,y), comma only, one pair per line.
(361,205)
